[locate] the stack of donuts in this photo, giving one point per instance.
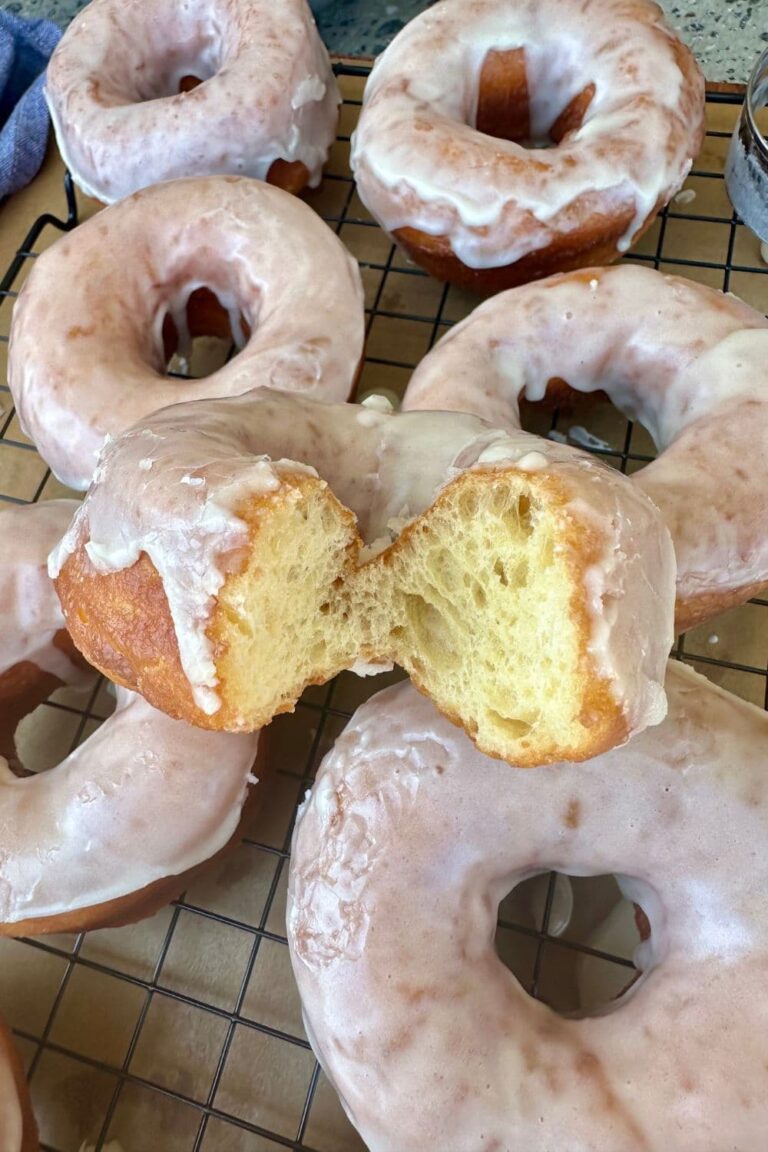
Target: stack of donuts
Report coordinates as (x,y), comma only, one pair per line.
(253,532)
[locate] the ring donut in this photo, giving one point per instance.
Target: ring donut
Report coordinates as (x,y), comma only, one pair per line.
(401,856)
(686,361)
(274,541)
(18,1131)
(142,91)
(502,142)
(172,262)
(120,827)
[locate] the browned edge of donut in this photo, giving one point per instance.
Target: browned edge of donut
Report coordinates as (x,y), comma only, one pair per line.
(150,899)
(289,175)
(29,1134)
(205,317)
(593,244)
(643,926)
(25,686)
(698,609)
(123,623)
(502,97)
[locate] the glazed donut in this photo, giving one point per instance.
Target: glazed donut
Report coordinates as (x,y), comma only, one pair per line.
(18,1131)
(150,269)
(120,827)
(687,361)
(36,654)
(502,142)
(142,91)
(401,856)
(273,541)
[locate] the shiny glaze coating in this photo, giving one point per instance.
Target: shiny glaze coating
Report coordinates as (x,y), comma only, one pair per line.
(401,855)
(266,256)
(268,93)
(143,799)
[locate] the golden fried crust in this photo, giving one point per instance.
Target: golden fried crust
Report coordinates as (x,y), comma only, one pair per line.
(123,621)
(144,903)
(593,244)
(696,609)
(134,642)
(29,1137)
(290,175)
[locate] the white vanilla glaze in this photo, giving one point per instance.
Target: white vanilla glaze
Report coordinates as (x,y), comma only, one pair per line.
(29,606)
(121,124)
(387,468)
(419,162)
(688,362)
(102,364)
(145,797)
(401,856)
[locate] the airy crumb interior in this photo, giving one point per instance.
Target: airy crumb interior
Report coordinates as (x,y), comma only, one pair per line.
(276,623)
(475,601)
(481,600)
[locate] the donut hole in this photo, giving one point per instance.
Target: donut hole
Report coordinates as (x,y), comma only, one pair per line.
(201,333)
(39,723)
(46,736)
(187,83)
(166,71)
(532,97)
(572,941)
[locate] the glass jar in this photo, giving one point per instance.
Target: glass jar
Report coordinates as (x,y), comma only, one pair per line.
(746,170)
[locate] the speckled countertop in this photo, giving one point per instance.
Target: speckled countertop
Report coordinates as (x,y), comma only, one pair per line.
(726,35)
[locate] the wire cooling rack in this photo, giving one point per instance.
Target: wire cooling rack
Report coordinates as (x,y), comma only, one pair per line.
(183,1033)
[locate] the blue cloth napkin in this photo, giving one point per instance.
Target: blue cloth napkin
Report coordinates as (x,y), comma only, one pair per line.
(25,47)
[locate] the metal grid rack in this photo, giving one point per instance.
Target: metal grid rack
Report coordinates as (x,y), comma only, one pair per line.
(183,1033)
